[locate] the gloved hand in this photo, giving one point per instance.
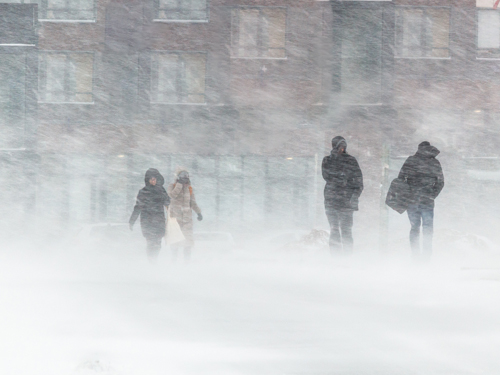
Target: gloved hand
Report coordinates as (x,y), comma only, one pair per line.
(355,203)
(131,226)
(200,217)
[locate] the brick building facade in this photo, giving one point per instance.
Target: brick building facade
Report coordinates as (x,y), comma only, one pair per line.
(247,94)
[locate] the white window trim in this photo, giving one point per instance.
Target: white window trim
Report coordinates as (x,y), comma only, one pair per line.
(422,58)
(79,103)
(258,58)
(16,45)
(66,21)
(194,104)
(161,20)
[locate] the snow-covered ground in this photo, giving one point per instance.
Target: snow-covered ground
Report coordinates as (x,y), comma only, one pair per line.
(253,311)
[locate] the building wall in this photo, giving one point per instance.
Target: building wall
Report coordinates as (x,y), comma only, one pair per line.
(252,144)
(343,71)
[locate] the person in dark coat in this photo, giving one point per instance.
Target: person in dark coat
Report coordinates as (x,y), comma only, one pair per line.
(344,184)
(424,174)
(150,205)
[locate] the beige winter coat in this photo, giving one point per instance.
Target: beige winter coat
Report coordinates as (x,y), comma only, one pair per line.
(182,201)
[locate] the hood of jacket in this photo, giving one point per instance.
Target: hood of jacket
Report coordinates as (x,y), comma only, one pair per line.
(179,170)
(337,142)
(152,172)
(425,149)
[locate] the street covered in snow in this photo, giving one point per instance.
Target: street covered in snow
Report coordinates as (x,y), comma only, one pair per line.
(251,311)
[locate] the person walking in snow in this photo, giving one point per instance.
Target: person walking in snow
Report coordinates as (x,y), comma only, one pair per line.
(150,205)
(424,174)
(183,202)
(344,184)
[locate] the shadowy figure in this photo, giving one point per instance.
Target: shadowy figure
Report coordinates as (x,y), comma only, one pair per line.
(424,174)
(183,202)
(344,184)
(150,205)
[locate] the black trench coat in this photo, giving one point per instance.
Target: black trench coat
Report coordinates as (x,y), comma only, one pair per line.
(150,205)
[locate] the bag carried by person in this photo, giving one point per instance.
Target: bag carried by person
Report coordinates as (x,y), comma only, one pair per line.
(399,195)
(173,234)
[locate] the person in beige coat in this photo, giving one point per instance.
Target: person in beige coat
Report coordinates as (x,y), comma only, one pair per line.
(182,203)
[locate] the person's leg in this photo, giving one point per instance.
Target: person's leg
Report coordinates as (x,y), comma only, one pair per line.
(346,222)
(187,253)
(187,230)
(333,219)
(415,217)
(427,230)
(175,250)
(153,249)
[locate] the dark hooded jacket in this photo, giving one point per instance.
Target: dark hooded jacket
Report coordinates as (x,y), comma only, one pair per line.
(424,174)
(344,179)
(150,204)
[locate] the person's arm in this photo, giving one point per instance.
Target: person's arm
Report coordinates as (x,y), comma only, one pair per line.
(357,179)
(194,206)
(174,190)
(139,205)
(404,173)
(166,199)
(325,169)
(438,186)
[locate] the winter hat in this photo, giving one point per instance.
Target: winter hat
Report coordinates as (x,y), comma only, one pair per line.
(179,170)
(152,172)
(427,150)
(338,142)
(424,144)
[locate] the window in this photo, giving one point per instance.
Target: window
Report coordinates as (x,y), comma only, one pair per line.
(178,78)
(423,32)
(61,9)
(18,24)
(361,81)
(67,9)
(66,77)
(258,32)
(492,4)
(12,100)
(180,10)
(488,33)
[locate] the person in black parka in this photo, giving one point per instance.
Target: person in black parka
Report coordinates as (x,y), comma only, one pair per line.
(150,205)
(344,184)
(424,174)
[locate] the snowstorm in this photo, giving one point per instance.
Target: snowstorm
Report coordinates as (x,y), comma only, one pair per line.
(249,187)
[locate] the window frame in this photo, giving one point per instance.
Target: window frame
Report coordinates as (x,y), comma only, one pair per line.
(43,8)
(43,75)
(166,20)
(153,73)
(424,49)
(259,32)
(487,50)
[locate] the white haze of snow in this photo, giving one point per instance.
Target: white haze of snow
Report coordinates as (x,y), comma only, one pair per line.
(256,310)
(263,310)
